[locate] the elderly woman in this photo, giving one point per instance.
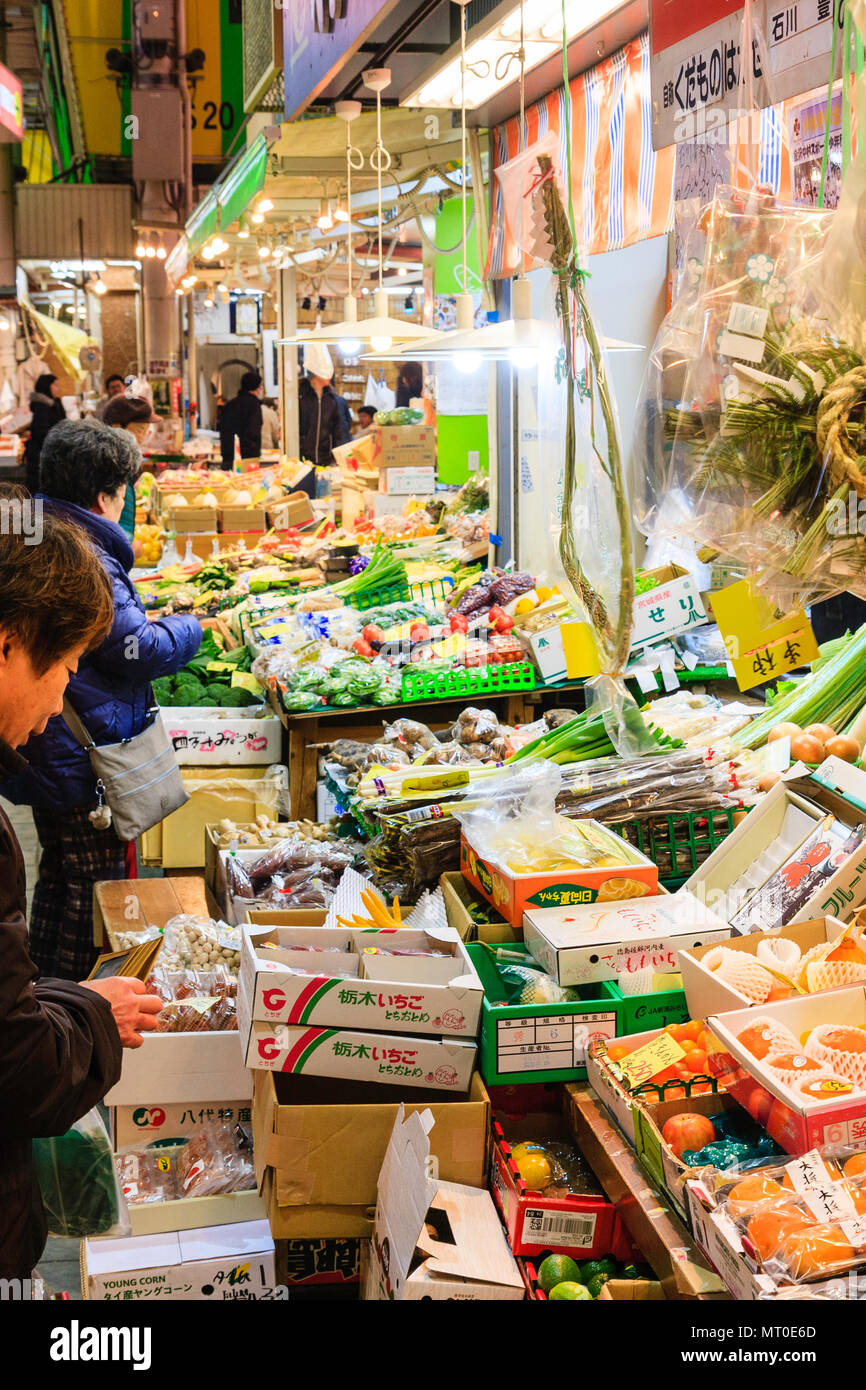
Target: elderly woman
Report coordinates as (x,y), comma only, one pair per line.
(85,470)
(60,1043)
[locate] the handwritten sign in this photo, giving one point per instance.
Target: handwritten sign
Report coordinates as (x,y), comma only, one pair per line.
(761,644)
(647,1061)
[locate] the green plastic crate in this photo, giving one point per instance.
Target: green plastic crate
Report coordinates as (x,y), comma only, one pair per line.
(641,1012)
(468,681)
(435,589)
(523,1043)
(678,844)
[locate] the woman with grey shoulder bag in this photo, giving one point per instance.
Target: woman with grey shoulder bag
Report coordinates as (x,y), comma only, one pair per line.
(111,741)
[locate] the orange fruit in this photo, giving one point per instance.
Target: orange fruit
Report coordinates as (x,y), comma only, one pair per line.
(675,1030)
(768,1229)
(858,1197)
(779,991)
(804,1037)
(792,1061)
(816,1250)
(848,950)
(854,1165)
(692,1030)
(751,1192)
(695,1059)
(758,1040)
(617,1053)
(827,1088)
(845,1039)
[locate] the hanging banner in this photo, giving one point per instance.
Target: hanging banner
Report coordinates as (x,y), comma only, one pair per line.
(695,68)
(11,109)
(806,123)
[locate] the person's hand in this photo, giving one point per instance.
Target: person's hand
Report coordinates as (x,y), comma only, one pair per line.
(133,1008)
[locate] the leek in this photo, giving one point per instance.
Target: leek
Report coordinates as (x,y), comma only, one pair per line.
(833,694)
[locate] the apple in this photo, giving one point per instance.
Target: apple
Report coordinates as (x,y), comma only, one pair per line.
(687,1131)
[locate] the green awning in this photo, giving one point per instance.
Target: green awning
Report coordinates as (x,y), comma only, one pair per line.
(242,183)
(202,222)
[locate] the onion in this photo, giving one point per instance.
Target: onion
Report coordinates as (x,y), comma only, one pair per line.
(782,731)
(769,780)
(843,746)
(821,732)
(806,749)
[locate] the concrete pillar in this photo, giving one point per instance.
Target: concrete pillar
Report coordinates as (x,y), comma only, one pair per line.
(287,321)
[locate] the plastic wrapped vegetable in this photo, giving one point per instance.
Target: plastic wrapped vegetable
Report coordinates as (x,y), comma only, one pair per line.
(75,1173)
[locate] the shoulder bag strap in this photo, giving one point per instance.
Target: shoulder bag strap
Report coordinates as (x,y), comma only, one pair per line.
(76,726)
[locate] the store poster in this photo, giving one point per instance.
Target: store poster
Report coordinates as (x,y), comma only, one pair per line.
(806,126)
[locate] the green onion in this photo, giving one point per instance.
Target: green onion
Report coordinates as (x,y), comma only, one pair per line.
(833,694)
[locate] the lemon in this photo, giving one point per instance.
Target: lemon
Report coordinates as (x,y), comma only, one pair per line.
(524,605)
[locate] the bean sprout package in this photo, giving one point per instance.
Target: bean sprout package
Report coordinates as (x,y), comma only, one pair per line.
(519,853)
(766,426)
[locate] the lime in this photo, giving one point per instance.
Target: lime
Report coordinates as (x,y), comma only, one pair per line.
(597,1283)
(555,1270)
(570,1290)
(630,1272)
(605,1264)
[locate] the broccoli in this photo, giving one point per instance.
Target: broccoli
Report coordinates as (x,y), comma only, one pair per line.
(236,697)
(215,690)
(162,689)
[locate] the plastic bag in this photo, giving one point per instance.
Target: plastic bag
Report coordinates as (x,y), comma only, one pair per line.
(147,1175)
(200,943)
(411,735)
(80,1191)
(214,1160)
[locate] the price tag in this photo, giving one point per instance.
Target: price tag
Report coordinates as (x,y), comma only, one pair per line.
(645,678)
(689,660)
(760,643)
(647,1061)
(271,630)
(247,681)
(219,666)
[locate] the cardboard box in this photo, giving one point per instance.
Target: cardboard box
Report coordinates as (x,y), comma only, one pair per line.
(186,520)
(234,518)
(358,453)
(355,1054)
(706,994)
(194,1213)
(405,481)
(179,840)
(539,1042)
(294,510)
(674,605)
(356,499)
(214,737)
(318,1155)
(216,1263)
(514,894)
(134,904)
(235,908)
(616,941)
(564,651)
(404,446)
(214,860)
(619,1103)
(467,1258)
(582,1226)
(769,833)
(317,1263)
(191,1067)
(153,1123)
(795,1121)
(668,1172)
(458,897)
(631,1291)
(407,994)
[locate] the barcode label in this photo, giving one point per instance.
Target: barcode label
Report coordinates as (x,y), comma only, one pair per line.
(574,1230)
(424,813)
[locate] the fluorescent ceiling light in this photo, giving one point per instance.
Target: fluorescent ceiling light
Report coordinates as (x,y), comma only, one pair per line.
(491,43)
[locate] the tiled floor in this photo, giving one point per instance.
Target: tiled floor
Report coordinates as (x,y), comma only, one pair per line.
(59,1266)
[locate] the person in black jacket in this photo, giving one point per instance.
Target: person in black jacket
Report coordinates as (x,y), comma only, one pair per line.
(243,417)
(320,423)
(47,409)
(60,1042)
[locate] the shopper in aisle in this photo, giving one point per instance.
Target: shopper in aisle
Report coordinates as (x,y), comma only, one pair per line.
(242,417)
(47,410)
(133,414)
(85,470)
(60,1043)
(410,384)
(270,425)
(115,387)
(320,423)
(366,421)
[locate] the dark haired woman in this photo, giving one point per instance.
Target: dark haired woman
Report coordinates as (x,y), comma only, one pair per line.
(47,410)
(85,470)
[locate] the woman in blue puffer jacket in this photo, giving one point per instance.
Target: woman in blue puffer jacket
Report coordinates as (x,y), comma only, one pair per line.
(86,468)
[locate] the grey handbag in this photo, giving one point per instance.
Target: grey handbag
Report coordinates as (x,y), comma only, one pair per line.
(138,781)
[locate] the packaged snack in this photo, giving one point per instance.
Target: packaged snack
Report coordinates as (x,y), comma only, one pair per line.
(214,1160)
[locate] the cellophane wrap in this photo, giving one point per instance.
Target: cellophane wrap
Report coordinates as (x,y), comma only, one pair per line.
(764,457)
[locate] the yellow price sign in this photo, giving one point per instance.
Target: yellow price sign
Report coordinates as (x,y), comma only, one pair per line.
(247,680)
(761,643)
(647,1061)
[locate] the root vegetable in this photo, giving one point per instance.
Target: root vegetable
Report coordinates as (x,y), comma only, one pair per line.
(783,731)
(768,781)
(821,732)
(844,747)
(806,749)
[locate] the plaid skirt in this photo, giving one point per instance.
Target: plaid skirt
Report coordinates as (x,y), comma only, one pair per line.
(75,855)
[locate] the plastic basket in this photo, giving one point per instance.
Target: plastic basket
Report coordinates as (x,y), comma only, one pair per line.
(436,589)
(479,680)
(678,844)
